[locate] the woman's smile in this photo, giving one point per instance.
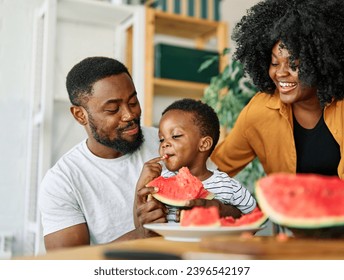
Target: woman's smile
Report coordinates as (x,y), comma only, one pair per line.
(286,87)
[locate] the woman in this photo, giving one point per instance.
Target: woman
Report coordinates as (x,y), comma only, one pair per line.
(294,52)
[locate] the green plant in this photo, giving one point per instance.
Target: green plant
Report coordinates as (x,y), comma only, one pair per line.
(227,94)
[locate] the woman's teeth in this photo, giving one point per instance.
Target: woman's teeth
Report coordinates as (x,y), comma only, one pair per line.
(285,85)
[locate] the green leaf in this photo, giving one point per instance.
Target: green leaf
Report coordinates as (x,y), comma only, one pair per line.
(208,62)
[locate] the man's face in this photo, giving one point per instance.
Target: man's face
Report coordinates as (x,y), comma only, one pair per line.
(113,113)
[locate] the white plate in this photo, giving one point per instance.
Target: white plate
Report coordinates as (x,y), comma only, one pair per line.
(174,232)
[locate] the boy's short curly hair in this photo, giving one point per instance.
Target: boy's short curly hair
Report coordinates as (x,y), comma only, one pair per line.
(311,30)
(83,75)
(204,118)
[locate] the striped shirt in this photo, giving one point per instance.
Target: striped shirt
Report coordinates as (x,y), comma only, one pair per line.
(226,189)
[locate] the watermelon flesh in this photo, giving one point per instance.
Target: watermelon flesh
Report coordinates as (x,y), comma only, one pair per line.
(179,189)
(302,200)
(255,219)
(200,216)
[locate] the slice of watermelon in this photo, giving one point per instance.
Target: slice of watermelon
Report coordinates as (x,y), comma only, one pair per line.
(200,216)
(179,189)
(255,219)
(302,200)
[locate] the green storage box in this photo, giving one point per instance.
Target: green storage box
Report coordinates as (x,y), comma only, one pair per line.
(181,63)
(203,5)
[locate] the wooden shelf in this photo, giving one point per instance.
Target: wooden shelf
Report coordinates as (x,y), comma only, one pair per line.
(184,26)
(178,88)
(200,31)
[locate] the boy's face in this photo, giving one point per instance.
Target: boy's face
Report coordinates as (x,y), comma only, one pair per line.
(180,139)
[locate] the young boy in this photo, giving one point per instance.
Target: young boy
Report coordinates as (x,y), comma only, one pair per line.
(188,132)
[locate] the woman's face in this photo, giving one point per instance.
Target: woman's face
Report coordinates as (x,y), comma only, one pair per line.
(286,77)
(179,139)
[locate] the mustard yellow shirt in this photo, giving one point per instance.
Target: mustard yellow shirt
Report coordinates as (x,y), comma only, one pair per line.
(264,129)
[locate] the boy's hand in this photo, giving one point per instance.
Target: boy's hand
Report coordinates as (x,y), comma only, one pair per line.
(150,170)
(224,209)
(147,209)
(201,202)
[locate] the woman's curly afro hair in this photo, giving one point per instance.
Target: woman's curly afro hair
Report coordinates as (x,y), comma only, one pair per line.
(311,30)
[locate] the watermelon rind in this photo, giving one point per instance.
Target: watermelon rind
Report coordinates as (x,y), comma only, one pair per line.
(325,221)
(178,203)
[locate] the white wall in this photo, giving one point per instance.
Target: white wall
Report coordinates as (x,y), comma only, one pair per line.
(16,25)
(15,53)
(233,10)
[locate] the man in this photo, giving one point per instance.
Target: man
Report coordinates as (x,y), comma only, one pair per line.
(87,197)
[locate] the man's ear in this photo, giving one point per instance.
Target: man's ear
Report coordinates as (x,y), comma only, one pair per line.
(79,113)
(205,143)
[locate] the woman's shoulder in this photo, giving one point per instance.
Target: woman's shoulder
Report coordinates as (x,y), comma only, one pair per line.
(262,103)
(263,98)
(336,103)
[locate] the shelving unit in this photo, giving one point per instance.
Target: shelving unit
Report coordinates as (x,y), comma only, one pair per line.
(200,31)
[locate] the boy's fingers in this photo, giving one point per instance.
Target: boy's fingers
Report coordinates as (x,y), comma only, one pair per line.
(158,159)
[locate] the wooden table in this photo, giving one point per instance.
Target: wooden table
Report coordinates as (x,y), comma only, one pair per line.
(220,247)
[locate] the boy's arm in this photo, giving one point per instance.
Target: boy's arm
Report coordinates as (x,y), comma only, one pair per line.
(146,208)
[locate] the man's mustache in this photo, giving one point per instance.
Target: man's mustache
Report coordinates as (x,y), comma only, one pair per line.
(131,123)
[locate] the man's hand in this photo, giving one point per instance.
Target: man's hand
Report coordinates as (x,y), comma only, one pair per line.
(149,210)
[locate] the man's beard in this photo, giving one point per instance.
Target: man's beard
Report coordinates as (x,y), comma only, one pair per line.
(119,144)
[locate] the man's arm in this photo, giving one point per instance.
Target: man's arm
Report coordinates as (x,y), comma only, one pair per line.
(137,233)
(69,237)
(78,235)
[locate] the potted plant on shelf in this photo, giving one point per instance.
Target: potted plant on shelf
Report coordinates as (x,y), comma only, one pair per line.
(227,94)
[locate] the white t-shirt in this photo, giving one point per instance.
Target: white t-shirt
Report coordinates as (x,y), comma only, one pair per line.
(84,188)
(225,189)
